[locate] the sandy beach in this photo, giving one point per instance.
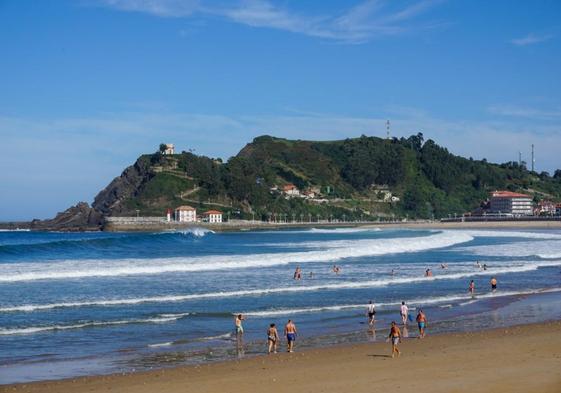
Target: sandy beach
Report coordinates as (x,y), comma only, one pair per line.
(516,359)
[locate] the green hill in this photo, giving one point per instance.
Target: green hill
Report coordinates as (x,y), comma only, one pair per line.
(351,178)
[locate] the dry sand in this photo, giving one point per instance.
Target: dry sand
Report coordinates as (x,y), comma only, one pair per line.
(516,359)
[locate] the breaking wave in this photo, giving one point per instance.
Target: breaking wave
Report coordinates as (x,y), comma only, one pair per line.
(38,329)
(335,250)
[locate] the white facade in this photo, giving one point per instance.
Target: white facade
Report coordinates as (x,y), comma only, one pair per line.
(185,214)
(291,190)
(506,202)
(213,216)
(170,149)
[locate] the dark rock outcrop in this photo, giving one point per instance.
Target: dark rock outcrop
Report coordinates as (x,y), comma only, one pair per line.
(81,217)
(126,186)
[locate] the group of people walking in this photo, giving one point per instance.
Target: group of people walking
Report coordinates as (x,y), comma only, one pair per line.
(395,335)
(273,337)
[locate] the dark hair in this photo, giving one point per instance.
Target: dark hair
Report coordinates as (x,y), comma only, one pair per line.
(402,302)
(272,325)
(239,315)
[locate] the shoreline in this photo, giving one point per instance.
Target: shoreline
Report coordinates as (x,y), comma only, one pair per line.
(529,357)
(261,226)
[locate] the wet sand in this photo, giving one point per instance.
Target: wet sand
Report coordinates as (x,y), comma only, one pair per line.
(515,359)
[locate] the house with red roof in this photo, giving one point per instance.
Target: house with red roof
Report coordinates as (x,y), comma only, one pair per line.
(511,203)
(212,216)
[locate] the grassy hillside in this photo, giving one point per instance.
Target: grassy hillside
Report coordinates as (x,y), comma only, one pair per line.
(352,176)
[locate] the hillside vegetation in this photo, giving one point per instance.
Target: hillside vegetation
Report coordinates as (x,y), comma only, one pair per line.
(350,179)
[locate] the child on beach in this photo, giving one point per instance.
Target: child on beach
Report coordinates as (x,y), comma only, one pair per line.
(395,337)
(272,338)
(422,323)
(471,288)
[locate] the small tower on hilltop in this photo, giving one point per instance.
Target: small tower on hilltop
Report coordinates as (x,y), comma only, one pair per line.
(167,149)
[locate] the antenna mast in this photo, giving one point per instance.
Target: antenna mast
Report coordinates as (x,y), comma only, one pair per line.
(388,129)
(519,158)
(533,159)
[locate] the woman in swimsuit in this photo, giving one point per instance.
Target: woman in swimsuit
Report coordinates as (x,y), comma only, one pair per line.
(272,338)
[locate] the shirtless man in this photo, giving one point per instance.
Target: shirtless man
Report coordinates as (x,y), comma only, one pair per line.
(272,338)
(395,337)
(290,333)
(238,322)
(404,311)
(422,323)
(493,284)
(336,269)
(371,311)
(471,288)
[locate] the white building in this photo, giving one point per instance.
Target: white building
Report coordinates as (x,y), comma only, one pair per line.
(506,202)
(291,190)
(212,216)
(185,214)
(170,149)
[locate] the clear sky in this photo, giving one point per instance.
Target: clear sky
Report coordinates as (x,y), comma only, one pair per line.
(86,86)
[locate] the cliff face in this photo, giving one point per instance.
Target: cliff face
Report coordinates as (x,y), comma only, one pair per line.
(76,218)
(127,185)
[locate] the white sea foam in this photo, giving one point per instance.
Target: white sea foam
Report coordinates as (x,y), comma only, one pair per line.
(38,329)
(167,344)
(335,250)
(412,303)
(344,230)
(512,234)
(468,271)
(545,249)
(195,231)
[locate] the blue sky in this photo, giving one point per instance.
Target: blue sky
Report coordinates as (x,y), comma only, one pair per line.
(88,85)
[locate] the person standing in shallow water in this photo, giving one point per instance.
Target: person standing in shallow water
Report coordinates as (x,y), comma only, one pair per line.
(238,323)
(471,288)
(371,311)
(421,323)
(395,337)
(272,338)
(493,284)
(404,312)
(290,333)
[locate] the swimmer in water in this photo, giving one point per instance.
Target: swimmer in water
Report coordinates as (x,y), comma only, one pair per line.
(493,284)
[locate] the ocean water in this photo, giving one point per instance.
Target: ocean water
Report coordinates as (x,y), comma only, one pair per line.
(89,303)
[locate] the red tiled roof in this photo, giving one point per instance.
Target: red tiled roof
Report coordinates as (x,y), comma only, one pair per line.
(185,207)
(212,212)
(288,186)
(508,194)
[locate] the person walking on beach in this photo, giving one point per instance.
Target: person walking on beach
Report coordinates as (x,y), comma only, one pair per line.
(493,284)
(422,323)
(290,333)
(471,288)
(371,311)
(404,312)
(395,337)
(238,323)
(272,338)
